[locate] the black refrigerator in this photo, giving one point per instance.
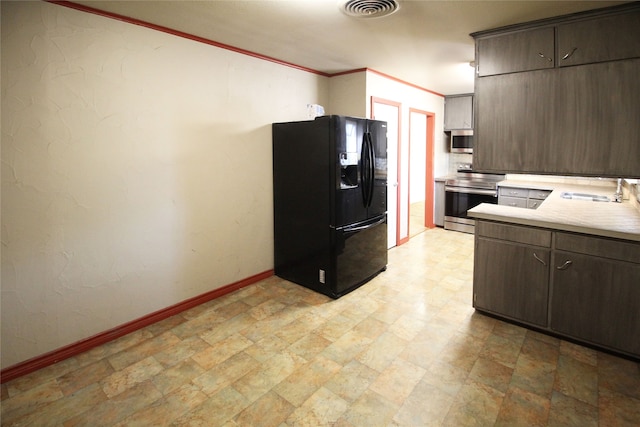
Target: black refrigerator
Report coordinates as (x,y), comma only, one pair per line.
(330,202)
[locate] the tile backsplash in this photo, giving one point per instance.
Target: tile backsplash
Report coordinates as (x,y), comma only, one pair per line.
(456,158)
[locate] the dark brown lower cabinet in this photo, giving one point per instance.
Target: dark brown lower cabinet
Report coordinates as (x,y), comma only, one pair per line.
(596,300)
(579,286)
(511,279)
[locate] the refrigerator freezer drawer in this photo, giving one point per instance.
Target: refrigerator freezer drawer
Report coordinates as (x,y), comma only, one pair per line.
(360,253)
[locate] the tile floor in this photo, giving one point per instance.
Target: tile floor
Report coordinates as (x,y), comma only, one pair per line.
(406,349)
(416,218)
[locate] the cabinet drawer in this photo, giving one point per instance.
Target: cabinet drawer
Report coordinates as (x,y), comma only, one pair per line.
(601,247)
(514,233)
(512,201)
(539,194)
(534,203)
(514,192)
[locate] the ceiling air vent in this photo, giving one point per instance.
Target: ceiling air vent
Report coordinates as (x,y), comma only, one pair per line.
(369,8)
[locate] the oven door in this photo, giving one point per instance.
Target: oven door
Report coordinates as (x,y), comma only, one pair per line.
(458,200)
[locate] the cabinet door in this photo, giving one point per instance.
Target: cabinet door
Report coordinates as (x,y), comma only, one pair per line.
(513,52)
(458,112)
(595,125)
(511,280)
(576,120)
(607,38)
(597,300)
(513,116)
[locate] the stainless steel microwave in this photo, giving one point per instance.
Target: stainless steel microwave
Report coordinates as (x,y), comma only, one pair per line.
(462,141)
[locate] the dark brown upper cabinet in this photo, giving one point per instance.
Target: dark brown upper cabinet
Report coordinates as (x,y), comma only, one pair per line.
(577,114)
(581,40)
(520,51)
(608,38)
(458,112)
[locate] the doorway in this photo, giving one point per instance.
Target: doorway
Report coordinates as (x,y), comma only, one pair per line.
(421,184)
(389,111)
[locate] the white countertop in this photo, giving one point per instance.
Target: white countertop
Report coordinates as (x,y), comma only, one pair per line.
(609,219)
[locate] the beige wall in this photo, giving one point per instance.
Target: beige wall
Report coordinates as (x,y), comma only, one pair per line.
(348,95)
(411,97)
(136,168)
(136,171)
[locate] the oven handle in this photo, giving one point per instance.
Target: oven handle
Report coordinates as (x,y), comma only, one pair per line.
(493,193)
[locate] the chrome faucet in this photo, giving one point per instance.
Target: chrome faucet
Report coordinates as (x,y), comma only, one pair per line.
(617,197)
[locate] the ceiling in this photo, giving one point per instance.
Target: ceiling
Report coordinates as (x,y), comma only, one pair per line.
(425,42)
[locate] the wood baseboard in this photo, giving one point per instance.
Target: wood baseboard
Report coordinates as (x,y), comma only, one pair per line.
(81,346)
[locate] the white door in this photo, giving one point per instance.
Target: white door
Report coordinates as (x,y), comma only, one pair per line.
(389,113)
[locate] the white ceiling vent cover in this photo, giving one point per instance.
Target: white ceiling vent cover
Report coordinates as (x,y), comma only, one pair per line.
(369,8)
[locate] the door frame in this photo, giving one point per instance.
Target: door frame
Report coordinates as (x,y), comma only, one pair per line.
(398,105)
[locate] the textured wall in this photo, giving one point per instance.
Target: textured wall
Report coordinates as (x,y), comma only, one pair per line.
(136,171)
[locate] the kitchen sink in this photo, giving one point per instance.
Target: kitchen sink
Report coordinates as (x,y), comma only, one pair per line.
(584,196)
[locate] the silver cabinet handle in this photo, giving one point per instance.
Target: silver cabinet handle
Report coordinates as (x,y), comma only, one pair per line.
(542,55)
(535,255)
(566,265)
(569,54)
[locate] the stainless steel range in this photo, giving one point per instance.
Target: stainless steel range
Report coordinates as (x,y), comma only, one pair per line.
(467,190)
